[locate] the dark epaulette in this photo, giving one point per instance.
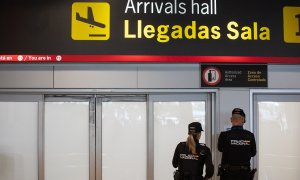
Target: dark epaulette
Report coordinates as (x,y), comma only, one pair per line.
(201,149)
(202,144)
(182,143)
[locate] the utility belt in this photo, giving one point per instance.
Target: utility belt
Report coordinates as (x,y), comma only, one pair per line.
(231,168)
(186,176)
(226,168)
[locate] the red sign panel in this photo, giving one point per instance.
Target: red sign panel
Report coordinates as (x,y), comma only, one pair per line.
(144,59)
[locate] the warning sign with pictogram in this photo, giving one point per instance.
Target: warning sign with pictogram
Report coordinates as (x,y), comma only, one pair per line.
(211,76)
(234,76)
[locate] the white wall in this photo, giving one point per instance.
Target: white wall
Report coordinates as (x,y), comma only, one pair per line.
(95,76)
(169,76)
(100,76)
(124,76)
(284,76)
(26,76)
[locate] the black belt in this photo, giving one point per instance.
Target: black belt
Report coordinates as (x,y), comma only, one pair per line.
(192,176)
(232,168)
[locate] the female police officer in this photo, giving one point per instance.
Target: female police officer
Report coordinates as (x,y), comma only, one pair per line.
(191,156)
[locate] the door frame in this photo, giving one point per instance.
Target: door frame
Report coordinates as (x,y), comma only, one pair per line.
(254,93)
(92,128)
(207,97)
(39,99)
(65,93)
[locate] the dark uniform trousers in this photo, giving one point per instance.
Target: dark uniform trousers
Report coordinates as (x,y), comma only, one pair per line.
(187,177)
(236,175)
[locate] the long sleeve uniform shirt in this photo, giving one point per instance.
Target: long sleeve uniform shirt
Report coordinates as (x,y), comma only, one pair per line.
(192,164)
(237,145)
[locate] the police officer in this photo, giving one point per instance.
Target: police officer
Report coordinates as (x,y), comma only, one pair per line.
(191,156)
(237,146)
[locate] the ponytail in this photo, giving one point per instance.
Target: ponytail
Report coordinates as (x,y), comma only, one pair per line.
(191,144)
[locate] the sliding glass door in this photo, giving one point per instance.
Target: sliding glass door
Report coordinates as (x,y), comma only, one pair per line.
(278,131)
(124,137)
(69,139)
(96,137)
(171,115)
(19,136)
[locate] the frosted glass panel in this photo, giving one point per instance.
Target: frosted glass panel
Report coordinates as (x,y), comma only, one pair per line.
(124,141)
(18,140)
(67,141)
(279,145)
(171,121)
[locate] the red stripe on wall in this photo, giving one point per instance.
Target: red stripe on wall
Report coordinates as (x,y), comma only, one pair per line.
(146,59)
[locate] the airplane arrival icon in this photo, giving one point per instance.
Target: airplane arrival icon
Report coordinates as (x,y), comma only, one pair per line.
(91,21)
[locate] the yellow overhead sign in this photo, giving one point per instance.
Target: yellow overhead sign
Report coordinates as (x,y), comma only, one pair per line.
(291,21)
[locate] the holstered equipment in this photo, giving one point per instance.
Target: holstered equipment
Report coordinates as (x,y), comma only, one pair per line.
(252,173)
(223,169)
(176,175)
